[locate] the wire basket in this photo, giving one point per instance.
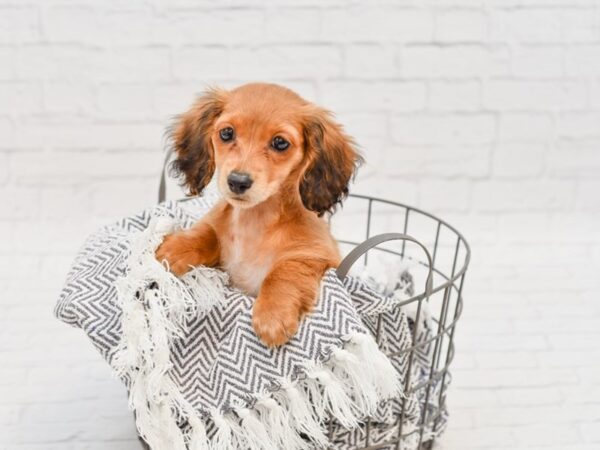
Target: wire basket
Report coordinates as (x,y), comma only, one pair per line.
(374,229)
(438,256)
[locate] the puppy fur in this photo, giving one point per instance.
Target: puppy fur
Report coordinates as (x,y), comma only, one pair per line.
(270,238)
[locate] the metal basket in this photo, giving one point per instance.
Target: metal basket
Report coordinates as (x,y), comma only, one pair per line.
(439,261)
(439,255)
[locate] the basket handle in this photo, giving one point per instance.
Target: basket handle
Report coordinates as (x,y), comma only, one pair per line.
(373,241)
(162,187)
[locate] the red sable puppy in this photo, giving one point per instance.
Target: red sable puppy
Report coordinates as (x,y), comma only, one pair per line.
(281,163)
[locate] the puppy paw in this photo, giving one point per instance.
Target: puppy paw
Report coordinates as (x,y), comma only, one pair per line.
(274,327)
(175,250)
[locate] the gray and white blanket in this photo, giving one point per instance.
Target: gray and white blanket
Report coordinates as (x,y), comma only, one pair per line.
(197,375)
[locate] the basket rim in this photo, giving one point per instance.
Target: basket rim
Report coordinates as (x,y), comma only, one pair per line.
(450,280)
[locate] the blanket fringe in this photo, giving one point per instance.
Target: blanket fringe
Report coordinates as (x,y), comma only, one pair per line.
(347,386)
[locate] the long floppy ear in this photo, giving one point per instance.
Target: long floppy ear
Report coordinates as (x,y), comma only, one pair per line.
(192,144)
(332,161)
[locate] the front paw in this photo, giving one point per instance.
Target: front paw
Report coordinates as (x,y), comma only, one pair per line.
(273,325)
(175,250)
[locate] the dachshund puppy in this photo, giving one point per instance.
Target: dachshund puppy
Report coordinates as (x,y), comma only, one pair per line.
(281,163)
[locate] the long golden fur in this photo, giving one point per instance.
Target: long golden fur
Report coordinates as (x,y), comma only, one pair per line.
(268,236)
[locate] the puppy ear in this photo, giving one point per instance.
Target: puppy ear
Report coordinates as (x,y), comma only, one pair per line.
(332,161)
(192,143)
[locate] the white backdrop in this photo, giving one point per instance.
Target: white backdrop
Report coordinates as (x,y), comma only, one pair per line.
(485,112)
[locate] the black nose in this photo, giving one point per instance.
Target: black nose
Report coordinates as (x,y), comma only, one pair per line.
(239,182)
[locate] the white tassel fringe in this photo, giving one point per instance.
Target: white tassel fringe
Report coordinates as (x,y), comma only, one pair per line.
(155,308)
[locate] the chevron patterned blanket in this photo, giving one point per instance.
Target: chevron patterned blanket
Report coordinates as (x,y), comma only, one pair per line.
(197,375)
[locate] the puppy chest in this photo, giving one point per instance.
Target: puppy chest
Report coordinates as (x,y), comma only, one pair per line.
(246,263)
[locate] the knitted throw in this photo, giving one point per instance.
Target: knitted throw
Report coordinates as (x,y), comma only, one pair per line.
(198,376)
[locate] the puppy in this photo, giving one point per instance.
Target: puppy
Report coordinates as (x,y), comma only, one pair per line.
(281,163)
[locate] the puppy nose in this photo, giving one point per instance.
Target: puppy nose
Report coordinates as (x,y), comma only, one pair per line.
(239,182)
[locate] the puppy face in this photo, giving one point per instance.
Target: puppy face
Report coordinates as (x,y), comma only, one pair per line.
(258,144)
(261,139)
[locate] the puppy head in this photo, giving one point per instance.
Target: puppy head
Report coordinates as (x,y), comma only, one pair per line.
(261,139)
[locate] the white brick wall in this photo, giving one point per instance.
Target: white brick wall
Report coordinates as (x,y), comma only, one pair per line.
(484,111)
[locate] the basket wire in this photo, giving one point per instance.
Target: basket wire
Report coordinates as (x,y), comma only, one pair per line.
(445,313)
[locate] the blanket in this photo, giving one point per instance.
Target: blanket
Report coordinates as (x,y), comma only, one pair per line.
(197,375)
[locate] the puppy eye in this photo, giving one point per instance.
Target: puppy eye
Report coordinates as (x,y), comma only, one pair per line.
(226,134)
(280,144)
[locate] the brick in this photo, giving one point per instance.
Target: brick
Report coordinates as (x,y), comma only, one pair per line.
(19,98)
(574,159)
(473,398)
(120,429)
(125,101)
(85,135)
(584,393)
(19,203)
(201,63)
(527,342)
(72,24)
(369,61)
(505,360)
(47,433)
(7,133)
(7,68)
(73,168)
(589,375)
(4,174)
(508,378)
(518,95)
(579,125)
(547,434)
(130,64)
(134,26)
(291,61)
(470,161)
(134,195)
(583,60)
(174,98)
(357,96)
(480,437)
(587,196)
(575,324)
(405,25)
(60,62)
(18,24)
(52,413)
(523,415)
(526,25)
(518,160)
(580,24)
(443,129)
(590,431)
(538,62)
(567,341)
(455,25)
(379,184)
(363,124)
(569,358)
(292,24)
(595,93)
(530,396)
(454,96)
(212,26)
(65,98)
(456,61)
(526,126)
(444,195)
(60,202)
